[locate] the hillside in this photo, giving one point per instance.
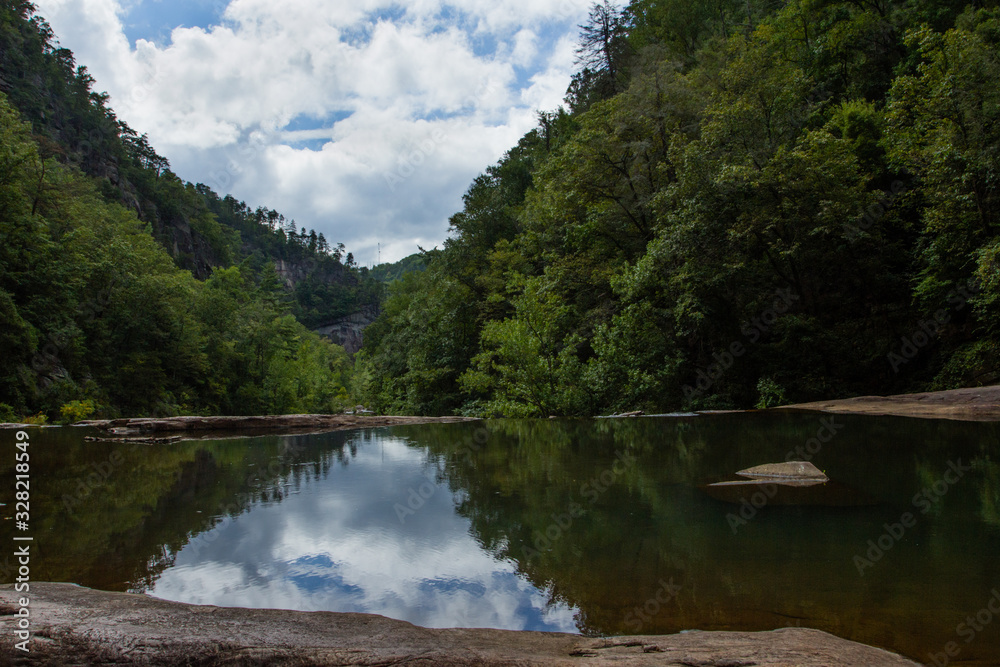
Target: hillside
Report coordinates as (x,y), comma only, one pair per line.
(125,291)
(742,203)
(200,229)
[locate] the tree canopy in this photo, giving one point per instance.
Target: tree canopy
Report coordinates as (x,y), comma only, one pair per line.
(125,291)
(744,203)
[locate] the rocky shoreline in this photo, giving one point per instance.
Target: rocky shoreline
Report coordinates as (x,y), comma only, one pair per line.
(972,404)
(167,430)
(75,625)
(142,425)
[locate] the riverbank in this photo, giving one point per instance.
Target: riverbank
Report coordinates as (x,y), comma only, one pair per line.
(165,430)
(144,425)
(75,625)
(971,404)
(974,404)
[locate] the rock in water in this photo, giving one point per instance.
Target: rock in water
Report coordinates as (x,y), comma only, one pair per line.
(790,470)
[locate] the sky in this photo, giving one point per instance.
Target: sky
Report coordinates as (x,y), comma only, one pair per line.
(365,119)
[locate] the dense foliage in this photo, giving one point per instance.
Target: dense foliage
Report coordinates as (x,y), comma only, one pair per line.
(200,229)
(391,271)
(126,291)
(97,317)
(745,203)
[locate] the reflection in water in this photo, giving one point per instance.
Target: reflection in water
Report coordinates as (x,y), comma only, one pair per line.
(548,524)
(342,544)
(758,494)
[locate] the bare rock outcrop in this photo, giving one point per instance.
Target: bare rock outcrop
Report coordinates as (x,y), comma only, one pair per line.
(74,625)
(194,426)
(789,470)
(348,331)
(971,404)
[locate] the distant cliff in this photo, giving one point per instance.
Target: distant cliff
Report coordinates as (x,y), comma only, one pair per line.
(199,228)
(348,331)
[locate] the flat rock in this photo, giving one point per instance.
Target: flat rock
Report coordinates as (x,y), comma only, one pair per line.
(247,425)
(76,626)
(970,404)
(790,470)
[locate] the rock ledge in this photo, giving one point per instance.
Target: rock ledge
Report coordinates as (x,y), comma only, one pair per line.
(972,404)
(75,625)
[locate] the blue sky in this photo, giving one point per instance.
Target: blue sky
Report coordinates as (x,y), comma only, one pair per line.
(365,120)
(154,20)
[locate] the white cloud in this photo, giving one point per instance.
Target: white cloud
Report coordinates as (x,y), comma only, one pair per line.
(216,100)
(525,48)
(338,545)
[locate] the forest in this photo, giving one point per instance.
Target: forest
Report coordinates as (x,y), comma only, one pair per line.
(741,204)
(125,291)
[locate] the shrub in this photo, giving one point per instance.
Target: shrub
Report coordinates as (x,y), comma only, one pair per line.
(771,394)
(7,413)
(75,411)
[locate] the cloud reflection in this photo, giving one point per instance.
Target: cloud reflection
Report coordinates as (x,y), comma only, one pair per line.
(338,545)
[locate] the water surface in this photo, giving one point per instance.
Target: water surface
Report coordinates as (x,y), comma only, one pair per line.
(599,527)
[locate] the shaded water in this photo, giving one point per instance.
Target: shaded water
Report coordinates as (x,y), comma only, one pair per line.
(600,527)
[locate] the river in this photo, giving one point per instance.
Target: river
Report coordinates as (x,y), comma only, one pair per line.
(590,526)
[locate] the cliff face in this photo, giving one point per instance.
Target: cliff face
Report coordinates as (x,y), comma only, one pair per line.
(293,272)
(200,229)
(188,248)
(73,125)
(289,272)
(348,331)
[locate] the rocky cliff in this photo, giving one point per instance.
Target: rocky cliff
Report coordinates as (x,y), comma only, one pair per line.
(348,331)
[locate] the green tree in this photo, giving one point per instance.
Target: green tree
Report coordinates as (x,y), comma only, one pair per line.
(529,365)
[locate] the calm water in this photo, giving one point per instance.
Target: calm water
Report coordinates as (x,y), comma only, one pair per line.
(599,527)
